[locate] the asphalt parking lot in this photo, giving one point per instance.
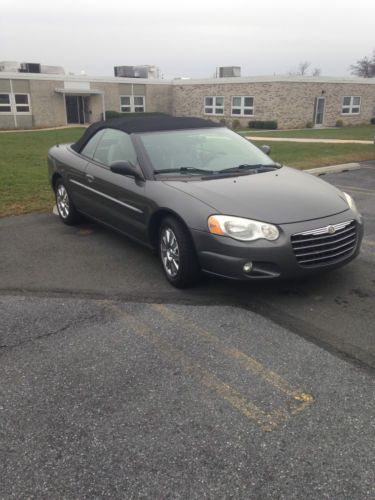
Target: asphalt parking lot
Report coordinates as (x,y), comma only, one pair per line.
(115,385)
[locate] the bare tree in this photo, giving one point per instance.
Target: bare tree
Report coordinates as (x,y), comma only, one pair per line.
(364,67)
(316,72)
(303,67)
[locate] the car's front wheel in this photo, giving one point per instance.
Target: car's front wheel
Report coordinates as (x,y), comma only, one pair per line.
(65,207)
(177,254)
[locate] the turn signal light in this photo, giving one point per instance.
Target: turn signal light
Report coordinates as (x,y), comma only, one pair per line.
(214,226)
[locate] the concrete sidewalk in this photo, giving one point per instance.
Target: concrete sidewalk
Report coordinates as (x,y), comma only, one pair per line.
(15,131)
(294,139)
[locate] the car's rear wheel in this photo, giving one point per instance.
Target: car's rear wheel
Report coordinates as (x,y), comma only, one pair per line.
(177,254)
(65,207)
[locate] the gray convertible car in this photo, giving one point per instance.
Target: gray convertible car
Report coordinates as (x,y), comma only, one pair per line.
(205,199)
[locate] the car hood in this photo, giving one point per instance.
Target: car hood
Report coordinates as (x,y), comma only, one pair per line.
(281,196)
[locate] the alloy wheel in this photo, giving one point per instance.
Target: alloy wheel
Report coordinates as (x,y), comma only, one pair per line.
(62,201)
(170,252)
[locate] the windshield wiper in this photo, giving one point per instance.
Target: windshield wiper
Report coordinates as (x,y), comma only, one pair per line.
(247,166)
(183,170)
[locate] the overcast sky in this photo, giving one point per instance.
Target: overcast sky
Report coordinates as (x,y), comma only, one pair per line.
(188,38)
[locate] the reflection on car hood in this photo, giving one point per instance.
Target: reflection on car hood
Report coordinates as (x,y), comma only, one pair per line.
(282,196)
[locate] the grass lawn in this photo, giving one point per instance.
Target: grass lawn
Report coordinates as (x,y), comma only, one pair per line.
(24,186)
(363,133)
(24,183)
(307,155)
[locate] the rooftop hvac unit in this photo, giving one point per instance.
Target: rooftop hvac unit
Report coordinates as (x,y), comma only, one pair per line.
(29,68)
(52,70)
(137,71)
(229,71)
(9,66)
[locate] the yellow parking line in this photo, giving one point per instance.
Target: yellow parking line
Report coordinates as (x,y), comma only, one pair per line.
(300,399)
(266,421)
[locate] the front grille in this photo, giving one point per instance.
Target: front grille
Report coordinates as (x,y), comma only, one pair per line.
(325,245)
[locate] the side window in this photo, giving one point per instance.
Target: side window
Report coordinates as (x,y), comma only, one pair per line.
(351,105)
(90,148)
(214,105)
(125,104)
(5,106)
(115,146)
(22,103)
(132,104)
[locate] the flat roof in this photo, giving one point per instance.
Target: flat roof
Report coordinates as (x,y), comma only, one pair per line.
(274,79)
(81,78)
(188,81)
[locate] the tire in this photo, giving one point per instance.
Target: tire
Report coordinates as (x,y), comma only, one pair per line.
(177,254)
(67,212)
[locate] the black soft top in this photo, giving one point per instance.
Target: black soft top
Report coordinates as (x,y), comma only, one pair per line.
(143,124)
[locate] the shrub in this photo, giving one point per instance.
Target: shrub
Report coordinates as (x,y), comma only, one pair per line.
(116,114)
(112,114)
(236,123)
(339,123)
(309,125)
(372,121)
(263,124)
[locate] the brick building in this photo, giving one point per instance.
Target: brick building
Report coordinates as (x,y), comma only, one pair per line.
(46,100)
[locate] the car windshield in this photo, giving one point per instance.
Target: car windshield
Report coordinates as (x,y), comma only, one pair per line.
(205,151)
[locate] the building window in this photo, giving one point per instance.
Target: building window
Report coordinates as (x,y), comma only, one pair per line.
(139,104)
(125,104)
(242,105)
(214,105)
(22,102)
(5,106)
(351,105)
(132,104)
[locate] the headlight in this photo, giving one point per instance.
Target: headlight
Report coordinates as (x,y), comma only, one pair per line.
(350,202)
(241,229)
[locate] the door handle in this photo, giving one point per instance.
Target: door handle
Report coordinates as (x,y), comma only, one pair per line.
(90,178)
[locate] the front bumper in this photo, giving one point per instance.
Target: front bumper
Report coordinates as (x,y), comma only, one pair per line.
(226,257)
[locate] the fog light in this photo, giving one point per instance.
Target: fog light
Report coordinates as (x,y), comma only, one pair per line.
(247,268)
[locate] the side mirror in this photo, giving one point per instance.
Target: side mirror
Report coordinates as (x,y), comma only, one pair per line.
(266,149)
(125,168)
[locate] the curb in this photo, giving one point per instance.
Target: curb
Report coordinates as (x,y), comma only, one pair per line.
(333,169)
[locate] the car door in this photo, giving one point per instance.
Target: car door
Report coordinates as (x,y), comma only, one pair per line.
(117,200)
(76,173)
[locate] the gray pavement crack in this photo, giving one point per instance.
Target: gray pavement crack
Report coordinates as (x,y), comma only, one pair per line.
(310,332)
(8,347)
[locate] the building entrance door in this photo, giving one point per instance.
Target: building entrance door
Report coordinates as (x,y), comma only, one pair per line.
(76,108)
(320,104)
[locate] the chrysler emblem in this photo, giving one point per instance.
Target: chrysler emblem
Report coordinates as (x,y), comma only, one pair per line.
(331,229)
